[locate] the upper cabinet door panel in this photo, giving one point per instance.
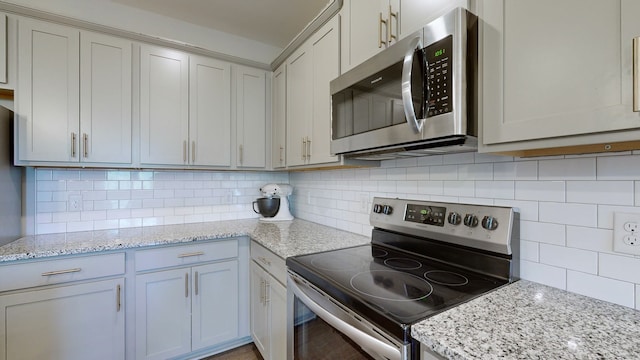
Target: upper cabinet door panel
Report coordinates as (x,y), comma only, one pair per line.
(48,91)
(366,33)
(279,113)
(164,106)
(210,112)
(299,104)
(414,14)
(552,70)
(105,97)
(251,117)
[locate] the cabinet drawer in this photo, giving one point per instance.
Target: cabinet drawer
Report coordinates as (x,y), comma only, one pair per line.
(185,254)
(50,272)
(271,262)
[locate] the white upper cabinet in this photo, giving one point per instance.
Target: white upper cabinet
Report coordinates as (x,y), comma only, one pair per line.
(210,112)
(557,76)
(48,93)
(414,14)
(251,121)
(73,95)
(309,72)
(279,120)
(164,106)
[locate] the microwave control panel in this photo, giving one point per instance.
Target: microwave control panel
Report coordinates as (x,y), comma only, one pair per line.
(438,56)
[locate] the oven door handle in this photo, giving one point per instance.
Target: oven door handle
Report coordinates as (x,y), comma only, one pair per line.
(407,96)
(359,337)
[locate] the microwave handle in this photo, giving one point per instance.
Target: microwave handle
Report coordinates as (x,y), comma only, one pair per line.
(407,98)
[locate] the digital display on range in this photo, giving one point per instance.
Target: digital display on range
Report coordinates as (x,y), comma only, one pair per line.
(430,215)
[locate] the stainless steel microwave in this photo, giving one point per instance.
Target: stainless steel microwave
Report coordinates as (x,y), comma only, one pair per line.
(416,98)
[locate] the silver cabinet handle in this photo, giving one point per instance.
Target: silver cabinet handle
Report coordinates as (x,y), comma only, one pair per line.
(193,151)
(267,287)
(382,41)
(184,151)
(636,75)
(304,148)
(281,158)
(390,27)
(241,154)
(407,99)
(196,253)
(118,293)
(195,279)
(59,272)
(262,287)
(308,148)
(73,144)
(186,285)
(264,260)
(85,144)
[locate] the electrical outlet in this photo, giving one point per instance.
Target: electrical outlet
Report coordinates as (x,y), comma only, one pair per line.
(364,202)
(626,233)
(75,203)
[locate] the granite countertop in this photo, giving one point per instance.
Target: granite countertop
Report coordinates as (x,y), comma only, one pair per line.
(286,238)
(527,320)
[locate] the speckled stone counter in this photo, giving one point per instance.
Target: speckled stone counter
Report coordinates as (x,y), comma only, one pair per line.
(526,320)
(285,239)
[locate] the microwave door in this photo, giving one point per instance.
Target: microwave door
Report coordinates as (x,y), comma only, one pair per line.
(413,81)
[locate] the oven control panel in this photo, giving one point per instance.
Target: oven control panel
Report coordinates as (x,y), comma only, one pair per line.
(481,226)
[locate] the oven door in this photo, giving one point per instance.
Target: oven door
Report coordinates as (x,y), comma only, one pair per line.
(321,328)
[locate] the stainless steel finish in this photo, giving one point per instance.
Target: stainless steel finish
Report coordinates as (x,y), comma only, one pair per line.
(304,148)
(58,272)
(390,32)
(407,96)
(308,148)
(359,330)
(85,144)
(267,288)
(499,240)
(636,76)
(118,304)
(73,144)
(450,132)
(195,253)
(184,151)
(382,41)
(186,285)
(195,279)
(193,151)
(262,290)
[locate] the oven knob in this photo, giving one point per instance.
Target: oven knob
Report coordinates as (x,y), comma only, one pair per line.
(454,218)
(377,208)
(387,209)
(471,220)
(489,223)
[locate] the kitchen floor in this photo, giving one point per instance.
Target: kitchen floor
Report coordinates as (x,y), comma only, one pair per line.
(246,352)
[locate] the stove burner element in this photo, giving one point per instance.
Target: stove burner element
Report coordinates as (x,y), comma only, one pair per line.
(402,264)
(337,263)
(391,285)
(446,278)
(378,253)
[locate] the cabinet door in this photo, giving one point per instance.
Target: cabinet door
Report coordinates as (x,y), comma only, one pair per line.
(75,322)
(210,112)
(326,67)
(278,319)
(279,123)
(163,314)
(551,71)
(105,99)
(3,49)
(414,14)
(259,311)
(215,309)
(48,91)
(251,117)
(366,33)
(164,106)
(299,104)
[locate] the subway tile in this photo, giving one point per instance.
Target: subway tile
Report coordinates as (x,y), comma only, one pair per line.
(129,223)
(495,189)
(46,195)
(93,215)
(387,186)
(544,274)
(105,224)
(618,266)
(188,176)
(51,206)
(618,167)
(475,172)
(520,170)
(43,174)
(93,175)
(543,232)
(440,198)
(615,291)
(66,216)
(569,214)
(443,172)
(491,158)
(528,209)
(567,169)
(475,201)
(164,175)
(130,185)
(569,258)
(65,175)
(141,175)
(52,228)
(529,250)
(540,190)
(459,188)
(141,213)
(43,218)
(378,174)
(194,218)
(637,296)
(118,195)
(605,214)
(54,185)
(116,175)
(460,158)
(141,194)
(152,221)
(407,187)
(590,238)
(106,205)
(407,163)
(418,173)
(163,194)
(79,226)
(388,163)
(636,193)
(118,214)
(106,185)
(600,192)
(130,204)
(79,185)
(431,160)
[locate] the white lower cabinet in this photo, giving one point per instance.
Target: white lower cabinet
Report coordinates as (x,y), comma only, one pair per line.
(65,320)
(189,308)
(268,306)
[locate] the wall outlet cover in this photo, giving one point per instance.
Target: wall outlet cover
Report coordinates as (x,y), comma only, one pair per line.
(626,233)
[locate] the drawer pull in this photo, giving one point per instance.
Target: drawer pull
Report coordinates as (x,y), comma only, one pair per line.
(186,285)
(197,253)
(118,291)
(58,272)
(264,260)
(195,278)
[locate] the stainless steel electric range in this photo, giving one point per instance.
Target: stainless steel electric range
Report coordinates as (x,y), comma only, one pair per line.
(424,258)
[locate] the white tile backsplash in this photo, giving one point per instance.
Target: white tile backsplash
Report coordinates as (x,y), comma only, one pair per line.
(566,206)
